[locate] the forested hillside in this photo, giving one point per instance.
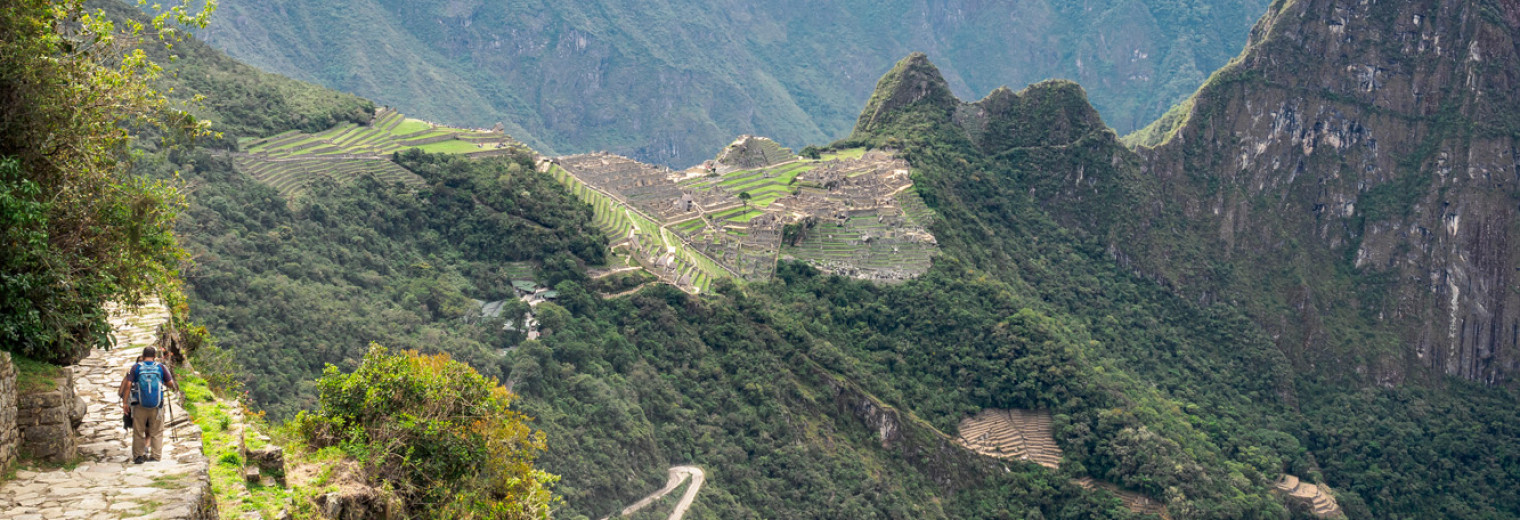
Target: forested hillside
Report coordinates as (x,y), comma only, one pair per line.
(759,385)
(670,82)
(815,395)
(1393,447)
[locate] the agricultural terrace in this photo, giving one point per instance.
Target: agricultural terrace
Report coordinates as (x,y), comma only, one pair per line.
(291,160)
(853,212)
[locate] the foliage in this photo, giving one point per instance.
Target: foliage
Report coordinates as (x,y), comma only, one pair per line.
(363,262)
(1416,452)
(437,432)
(235,98)
(631,386)
(1184,401)
(1218,386)
(78,228)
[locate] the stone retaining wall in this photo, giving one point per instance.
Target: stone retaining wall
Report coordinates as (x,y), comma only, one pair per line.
(46,421)
(425,140)
(105,483)
(10,435)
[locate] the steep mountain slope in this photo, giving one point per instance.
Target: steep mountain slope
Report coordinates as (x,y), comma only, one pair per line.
(672,81)
(1179,212)
(1351,181)
(819,396)
(1354,180)
(810,396)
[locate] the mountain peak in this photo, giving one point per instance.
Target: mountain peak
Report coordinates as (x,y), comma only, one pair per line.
(914,82)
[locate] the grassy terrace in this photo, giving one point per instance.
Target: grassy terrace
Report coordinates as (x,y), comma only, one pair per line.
(652,240)
(291,160)
(764,185)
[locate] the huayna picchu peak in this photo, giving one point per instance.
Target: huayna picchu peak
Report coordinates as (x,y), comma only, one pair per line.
(579,260)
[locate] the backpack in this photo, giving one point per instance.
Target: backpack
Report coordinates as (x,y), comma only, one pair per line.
(149,387)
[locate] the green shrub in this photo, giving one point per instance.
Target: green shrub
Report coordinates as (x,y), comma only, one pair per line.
(436,432)
(78,227)
(230,459)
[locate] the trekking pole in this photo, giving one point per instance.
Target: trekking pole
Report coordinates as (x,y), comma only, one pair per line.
(170,404)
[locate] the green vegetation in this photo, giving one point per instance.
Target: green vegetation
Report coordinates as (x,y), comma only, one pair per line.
(797,75)
(292,161)
(1238,391)
(779,390)
(386,132)
(240,101)
(77,226)
(436,433)
(35,376)
(366,261)
(235,496)
(410,126)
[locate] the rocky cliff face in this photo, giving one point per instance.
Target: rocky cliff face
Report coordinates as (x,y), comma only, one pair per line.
(1357,169)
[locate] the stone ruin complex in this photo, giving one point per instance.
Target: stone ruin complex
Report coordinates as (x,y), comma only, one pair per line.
(854,216)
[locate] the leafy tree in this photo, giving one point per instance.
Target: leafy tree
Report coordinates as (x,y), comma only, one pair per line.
(745,197)
(442,436)
(79,228)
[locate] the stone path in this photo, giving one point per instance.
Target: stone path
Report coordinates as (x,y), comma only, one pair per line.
(678,474)
(105,484)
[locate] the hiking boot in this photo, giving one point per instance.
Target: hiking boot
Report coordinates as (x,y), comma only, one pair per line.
(139,459)
(152,459)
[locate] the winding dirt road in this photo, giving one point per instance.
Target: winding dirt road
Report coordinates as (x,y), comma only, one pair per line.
(678,474)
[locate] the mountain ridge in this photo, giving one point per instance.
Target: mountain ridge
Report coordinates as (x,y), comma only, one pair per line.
(1210,172)
(579,77)
(781,391)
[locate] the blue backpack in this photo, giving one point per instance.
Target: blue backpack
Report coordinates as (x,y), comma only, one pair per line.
(149,386)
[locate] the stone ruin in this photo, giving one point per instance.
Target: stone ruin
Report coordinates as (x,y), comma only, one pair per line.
(1026,435)
(647,187)
(749,152)
(870,224)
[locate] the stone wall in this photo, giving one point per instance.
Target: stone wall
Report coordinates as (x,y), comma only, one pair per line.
(9,435)
(46,421)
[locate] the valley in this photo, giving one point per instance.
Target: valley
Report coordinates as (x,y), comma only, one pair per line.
(670,84)
(1288,298)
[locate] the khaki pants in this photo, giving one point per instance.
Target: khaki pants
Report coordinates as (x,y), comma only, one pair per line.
(147,429)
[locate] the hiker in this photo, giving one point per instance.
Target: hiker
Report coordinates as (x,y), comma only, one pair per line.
(143,399)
